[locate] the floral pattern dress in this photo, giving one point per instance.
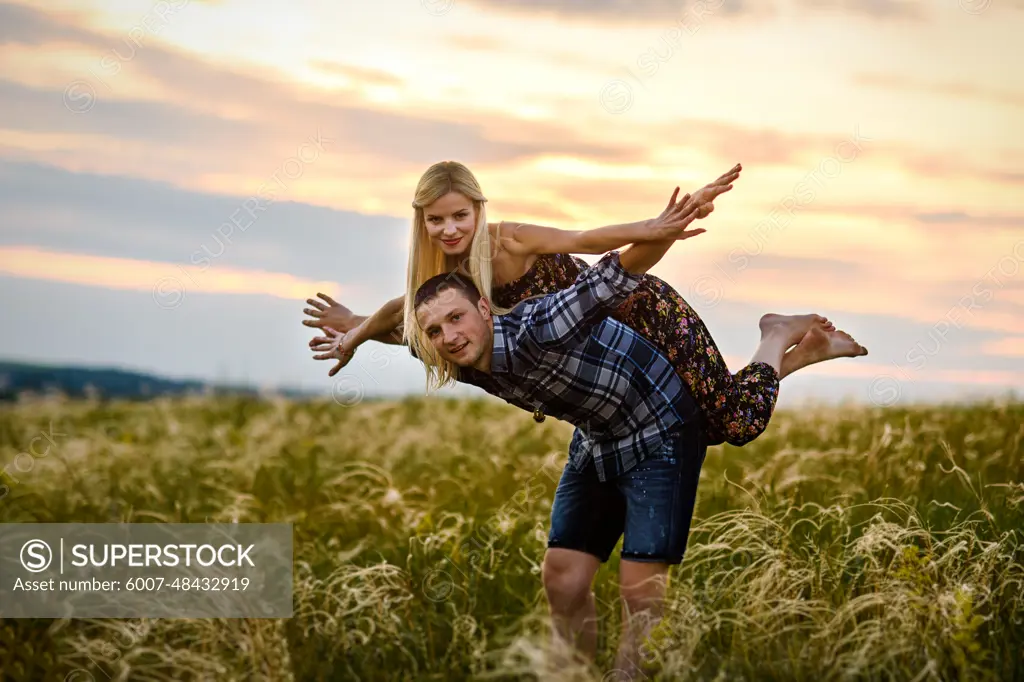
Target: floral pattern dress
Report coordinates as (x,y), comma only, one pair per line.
(737,406)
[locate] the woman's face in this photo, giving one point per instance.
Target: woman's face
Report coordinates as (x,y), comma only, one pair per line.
(451,221)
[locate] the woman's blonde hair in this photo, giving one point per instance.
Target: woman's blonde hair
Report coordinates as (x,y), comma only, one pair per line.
(426,260)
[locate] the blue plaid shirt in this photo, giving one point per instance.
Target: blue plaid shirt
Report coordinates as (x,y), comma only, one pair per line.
(562,354)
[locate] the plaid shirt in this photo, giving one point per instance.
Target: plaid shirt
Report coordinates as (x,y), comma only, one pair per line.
(562,354)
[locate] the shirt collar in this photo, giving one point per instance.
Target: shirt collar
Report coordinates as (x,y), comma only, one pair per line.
(500,351)
(502,347)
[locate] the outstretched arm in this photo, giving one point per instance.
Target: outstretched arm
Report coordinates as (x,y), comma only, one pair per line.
(567,316)
(385,325)
(642,256)
(525,239)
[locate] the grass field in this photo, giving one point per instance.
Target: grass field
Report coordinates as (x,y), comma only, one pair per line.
(845,543)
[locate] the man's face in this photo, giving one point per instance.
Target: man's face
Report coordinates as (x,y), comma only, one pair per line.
(461,333)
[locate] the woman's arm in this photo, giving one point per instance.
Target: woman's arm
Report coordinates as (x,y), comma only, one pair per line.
(384,326)
(643,255)
(524,239)
(330,313)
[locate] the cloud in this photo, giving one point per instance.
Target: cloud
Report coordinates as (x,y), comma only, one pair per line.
(625,12)
(215,138)
(139,219)
(882,10)
(929,165)
(814,269)
(1009,347)
(203,92)
(949,89)
(357,73)
(168,285)
(920,216)
(620,11)
(648,11)
(20,25)
(38,110)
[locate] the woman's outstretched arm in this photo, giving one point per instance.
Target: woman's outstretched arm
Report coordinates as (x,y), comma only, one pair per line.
(385,325)
(385,328)
(524,239)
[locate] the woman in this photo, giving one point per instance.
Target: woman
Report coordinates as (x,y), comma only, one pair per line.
(511,262)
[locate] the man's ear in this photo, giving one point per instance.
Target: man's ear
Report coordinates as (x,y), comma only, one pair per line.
(484,306)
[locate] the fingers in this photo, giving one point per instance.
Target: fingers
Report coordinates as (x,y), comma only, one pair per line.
(315,303)
(672,200)
(733,173)
(313,313)
(685,208)
(716,191)
(334,353)
(686,234)
(318,323)
(330,301)
(710,193)
(327,344)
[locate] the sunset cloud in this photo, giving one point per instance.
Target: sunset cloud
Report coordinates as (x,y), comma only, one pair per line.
(944,89)
(169,285)
(1011,347)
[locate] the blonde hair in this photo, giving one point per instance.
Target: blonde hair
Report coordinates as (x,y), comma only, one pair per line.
(426,260)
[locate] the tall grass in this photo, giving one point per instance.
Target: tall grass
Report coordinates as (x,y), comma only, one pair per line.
(845,543)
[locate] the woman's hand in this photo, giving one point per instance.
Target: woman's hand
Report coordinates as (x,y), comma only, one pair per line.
(335,346)
(673,220)
(713,190)
(333,315)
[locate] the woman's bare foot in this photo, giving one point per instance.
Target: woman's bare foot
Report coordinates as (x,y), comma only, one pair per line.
(819,345)
(792,328)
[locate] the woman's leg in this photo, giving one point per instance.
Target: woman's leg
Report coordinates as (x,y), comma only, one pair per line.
(750,399)
(736,407)
(745,401)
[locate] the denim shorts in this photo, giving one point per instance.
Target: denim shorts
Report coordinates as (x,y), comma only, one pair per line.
(651,505)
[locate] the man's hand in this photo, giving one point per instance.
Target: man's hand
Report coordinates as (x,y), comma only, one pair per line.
(332,347)
(332,315)
(673,220)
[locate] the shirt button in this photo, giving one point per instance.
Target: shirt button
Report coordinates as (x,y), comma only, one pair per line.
(538,415)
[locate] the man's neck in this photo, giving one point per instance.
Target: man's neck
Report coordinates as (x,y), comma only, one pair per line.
(484,363)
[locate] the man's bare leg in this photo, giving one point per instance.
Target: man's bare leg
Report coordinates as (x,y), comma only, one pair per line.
(819,345)
(568,577)
(642,587)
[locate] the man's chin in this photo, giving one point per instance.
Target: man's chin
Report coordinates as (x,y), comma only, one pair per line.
(463,359)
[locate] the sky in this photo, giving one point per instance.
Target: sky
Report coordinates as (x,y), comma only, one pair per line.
(177,177)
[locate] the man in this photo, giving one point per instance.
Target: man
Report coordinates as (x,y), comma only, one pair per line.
(639,442)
